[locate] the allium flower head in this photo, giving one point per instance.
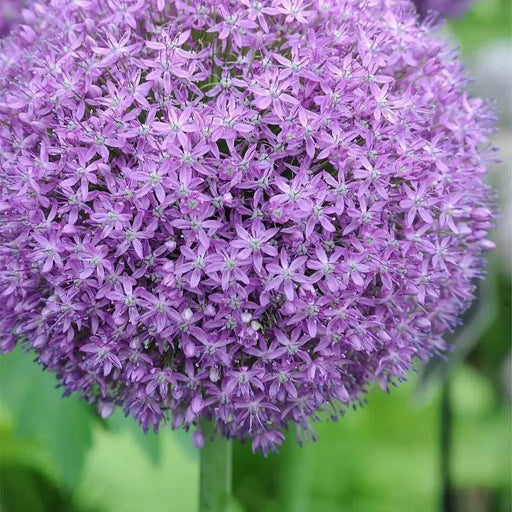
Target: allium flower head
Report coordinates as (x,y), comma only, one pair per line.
(246,211)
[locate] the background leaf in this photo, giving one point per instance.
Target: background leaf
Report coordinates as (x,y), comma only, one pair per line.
(39,412)
(149,443)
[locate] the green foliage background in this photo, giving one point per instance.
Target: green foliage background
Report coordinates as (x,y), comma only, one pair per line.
(56,455)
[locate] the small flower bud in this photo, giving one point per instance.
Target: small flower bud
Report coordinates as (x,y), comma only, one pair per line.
(197,404)
(384,336)
(171,245)
(481,214)
(487,245)
(209,310)
(106,409)
(187,314)
(246,317)
(255,325)
(214,374)
(189,349)
(198,438)
(423,323)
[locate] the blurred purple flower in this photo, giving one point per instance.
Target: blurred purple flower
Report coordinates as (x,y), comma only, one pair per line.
(445,8)
(10,15)
(241,211)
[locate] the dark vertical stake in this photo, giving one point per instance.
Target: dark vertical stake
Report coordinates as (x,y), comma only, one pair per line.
(447,501)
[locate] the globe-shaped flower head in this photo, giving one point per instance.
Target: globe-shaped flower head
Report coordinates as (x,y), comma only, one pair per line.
(246,211)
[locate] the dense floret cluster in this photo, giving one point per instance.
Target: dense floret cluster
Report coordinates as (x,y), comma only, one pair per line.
(241,210)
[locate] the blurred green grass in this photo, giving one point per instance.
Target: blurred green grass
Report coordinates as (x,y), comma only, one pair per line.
(383,457)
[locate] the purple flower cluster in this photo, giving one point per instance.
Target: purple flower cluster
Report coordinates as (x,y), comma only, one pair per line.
(239,210)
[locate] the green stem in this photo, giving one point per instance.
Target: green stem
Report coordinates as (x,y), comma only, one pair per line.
(296,475)
(215,473)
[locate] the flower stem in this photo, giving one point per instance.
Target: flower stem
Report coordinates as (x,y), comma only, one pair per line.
(215,473)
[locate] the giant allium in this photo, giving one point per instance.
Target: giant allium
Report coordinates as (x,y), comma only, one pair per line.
(246,211)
